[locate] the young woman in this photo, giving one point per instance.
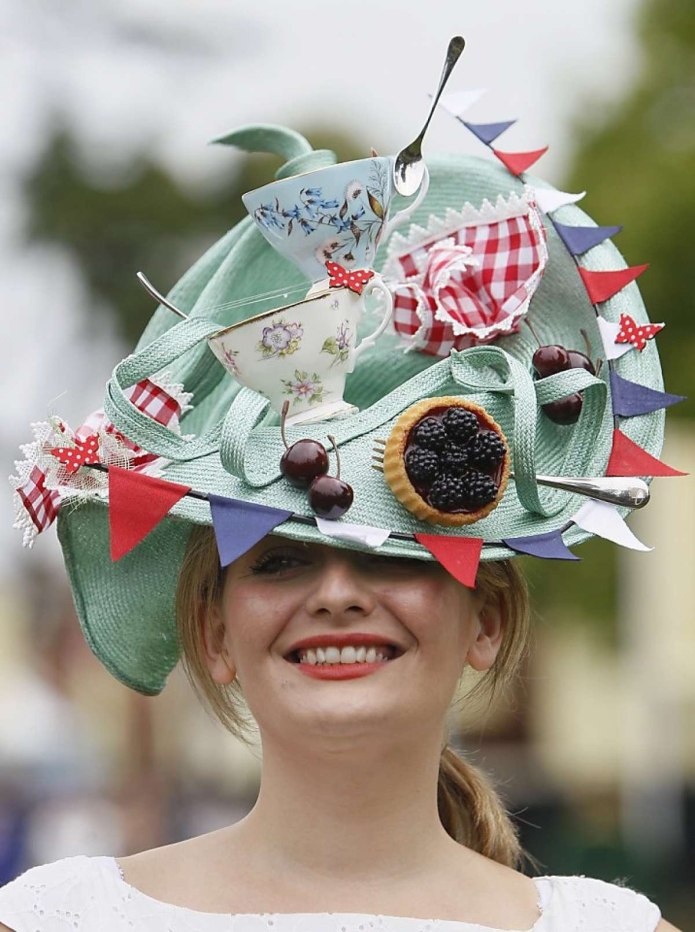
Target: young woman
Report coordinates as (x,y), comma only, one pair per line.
(347,629)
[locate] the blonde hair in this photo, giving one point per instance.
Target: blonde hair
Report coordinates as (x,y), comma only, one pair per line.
(469,807)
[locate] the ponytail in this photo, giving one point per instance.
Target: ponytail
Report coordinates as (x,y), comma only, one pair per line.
(472,812)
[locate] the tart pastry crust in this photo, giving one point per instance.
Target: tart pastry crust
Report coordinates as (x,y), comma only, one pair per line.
(400,483)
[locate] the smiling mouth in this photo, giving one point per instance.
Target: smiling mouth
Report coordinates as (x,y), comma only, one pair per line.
(349,655)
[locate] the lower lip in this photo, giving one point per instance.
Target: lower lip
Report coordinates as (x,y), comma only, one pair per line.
(340,671)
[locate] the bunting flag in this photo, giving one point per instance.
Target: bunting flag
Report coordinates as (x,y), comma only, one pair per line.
(550,200)
(579,240)
(609,332)
(240,525)
(629,459)
(458,102)
(459,556)
(488,132)
(549,546)
(519,162)
(600,286)
(356,533)
(630,398)
(137,503)
(604,520)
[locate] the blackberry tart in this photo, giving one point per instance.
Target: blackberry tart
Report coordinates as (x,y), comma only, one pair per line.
(447,461)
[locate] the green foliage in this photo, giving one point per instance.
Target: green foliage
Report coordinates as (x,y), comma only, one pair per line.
(636,160)
(637,164)
(144,219)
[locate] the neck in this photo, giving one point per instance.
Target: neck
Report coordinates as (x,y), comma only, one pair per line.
(336,812)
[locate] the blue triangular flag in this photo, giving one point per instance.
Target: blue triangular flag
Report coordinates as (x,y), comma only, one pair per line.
(580,239)
(488,132)
(239,525)
(630,398)
(548,546)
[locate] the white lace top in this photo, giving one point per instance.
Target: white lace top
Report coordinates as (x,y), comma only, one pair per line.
(90,895)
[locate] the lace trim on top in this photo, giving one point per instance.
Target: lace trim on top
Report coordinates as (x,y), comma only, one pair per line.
(543,885)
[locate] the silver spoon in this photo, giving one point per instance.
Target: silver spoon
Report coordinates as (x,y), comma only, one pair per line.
(152,291)
(409,168)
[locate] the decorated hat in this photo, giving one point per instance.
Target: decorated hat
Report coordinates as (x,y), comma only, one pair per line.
(512,404)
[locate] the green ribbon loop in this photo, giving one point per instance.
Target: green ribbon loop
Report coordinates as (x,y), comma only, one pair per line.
(138,427)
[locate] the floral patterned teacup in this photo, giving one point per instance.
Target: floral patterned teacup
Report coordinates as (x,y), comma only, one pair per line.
(302,352)
(338,213)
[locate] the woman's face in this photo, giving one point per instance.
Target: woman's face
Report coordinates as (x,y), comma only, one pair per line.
(339,642)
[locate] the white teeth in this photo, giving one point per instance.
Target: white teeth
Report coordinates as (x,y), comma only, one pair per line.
(349,654)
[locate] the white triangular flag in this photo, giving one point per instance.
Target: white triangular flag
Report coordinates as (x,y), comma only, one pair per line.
(548,199)
(358,533)
(458,102)
(609,331)
(602,519)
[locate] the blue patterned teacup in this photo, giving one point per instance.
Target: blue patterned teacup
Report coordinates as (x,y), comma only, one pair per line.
(302,352)
(337,213)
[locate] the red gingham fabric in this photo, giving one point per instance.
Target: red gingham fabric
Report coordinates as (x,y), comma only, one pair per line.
(41,504)
(447,300)
(155,402)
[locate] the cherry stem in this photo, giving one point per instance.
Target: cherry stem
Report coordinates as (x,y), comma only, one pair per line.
(337,455)
(598,366)
(535,335)
(285,409)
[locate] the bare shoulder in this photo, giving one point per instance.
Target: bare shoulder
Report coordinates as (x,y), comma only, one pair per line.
(666,927)
(4,928)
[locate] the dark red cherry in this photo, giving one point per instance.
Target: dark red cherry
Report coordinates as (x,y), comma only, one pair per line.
(580,361)
(303,462)
(330,497)
(566,410)
(547,360)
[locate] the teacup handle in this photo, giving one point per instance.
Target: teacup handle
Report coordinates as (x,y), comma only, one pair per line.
(376,284)
(403,214)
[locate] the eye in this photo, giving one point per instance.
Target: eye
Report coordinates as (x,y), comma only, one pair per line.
(279,561)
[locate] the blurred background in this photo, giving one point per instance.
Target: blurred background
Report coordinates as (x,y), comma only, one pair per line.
(104,170)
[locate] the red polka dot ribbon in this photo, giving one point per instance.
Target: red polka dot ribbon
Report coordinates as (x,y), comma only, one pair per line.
(630,332)
(340,277)
(84,453)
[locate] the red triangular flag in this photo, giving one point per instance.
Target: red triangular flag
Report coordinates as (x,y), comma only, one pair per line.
(459,556)
(137,503)
(600,286)
(519,162)
(629,459)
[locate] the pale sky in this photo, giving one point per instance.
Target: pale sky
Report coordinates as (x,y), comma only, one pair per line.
(169,75)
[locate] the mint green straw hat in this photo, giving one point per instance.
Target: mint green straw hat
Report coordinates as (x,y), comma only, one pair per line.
(223,440)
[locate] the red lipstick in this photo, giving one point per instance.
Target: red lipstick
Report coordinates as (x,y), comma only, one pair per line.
(340,671)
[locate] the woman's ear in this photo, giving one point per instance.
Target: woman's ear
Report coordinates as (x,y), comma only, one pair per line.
(484,649)
(212,633)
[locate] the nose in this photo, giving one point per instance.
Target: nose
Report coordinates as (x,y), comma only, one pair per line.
(341,590)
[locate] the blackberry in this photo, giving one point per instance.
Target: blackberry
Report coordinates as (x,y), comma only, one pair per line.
(430,433)
(460,423)
(477,489)
(421,465)
(487,450)
(448,493)
(454,461)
